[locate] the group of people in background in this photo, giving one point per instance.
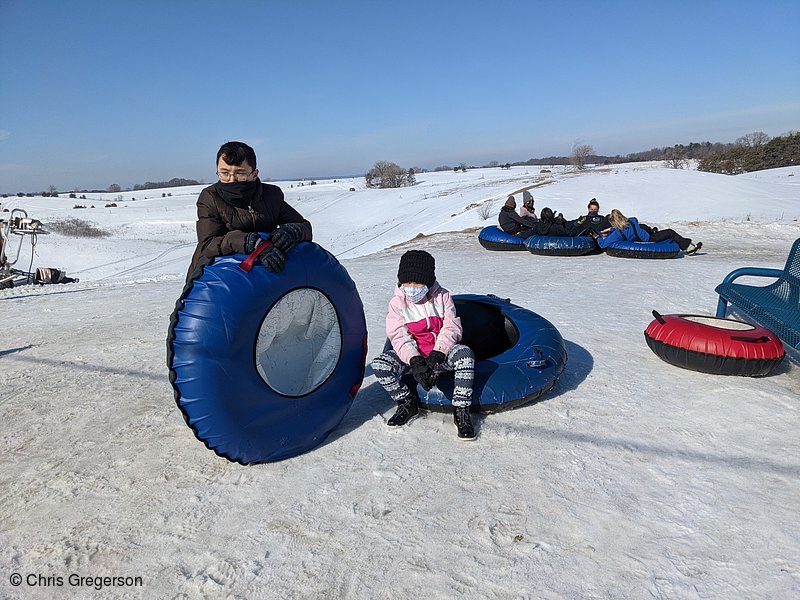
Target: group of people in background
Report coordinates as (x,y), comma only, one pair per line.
(607,230)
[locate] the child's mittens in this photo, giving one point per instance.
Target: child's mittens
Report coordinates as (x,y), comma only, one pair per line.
(422,372)
(435,359)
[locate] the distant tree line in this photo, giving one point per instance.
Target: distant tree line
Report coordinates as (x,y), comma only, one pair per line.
(584,154)
(751,152)
(52,191)
(754,152)
(150,185)
(174,182)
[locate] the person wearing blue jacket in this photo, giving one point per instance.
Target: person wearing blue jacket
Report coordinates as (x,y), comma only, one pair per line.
(625,229)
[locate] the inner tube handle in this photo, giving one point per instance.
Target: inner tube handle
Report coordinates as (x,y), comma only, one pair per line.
(658,317)
(247,264)
(758,340)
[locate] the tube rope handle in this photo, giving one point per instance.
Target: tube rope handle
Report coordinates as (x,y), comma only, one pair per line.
(658,317)
(754,340)
(247,264)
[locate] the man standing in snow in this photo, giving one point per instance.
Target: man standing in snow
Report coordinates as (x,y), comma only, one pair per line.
(231,212)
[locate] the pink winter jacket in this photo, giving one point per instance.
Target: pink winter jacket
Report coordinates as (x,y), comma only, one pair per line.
(419,329)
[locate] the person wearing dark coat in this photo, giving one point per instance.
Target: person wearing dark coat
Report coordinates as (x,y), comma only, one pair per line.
(231,212)
(592,222)
(554,225)
(512,223)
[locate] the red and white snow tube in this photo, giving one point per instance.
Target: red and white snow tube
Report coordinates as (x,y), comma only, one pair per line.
(711,345)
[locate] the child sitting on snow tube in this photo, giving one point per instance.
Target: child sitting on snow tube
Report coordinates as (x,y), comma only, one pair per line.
(425,334)
(624,229)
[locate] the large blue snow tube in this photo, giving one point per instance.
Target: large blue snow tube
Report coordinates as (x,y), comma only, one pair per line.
(625,249)
(551,245)
(494,238)
(519,355)
(265,365)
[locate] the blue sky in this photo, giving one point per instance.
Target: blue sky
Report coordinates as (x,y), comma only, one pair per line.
(101,92)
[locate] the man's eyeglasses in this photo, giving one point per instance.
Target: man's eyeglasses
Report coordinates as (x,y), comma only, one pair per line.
(237,176)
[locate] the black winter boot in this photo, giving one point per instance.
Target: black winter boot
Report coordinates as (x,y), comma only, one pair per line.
(407,409)
(464,423)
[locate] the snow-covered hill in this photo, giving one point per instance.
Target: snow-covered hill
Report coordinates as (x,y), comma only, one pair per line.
(631,479)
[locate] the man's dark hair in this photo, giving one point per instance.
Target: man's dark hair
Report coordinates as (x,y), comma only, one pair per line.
(593,202)
(235,153)
(547,215)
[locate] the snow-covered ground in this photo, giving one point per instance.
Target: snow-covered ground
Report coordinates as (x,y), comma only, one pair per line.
(630,479)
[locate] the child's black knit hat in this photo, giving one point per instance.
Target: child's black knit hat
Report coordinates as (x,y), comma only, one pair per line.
(417,266)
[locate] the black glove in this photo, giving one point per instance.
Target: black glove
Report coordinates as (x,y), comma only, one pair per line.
(251,242)
(285,237)
(273,259)
(435,359)
(422,372)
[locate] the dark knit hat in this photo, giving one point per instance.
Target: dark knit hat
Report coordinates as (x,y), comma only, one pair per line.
(417,266)
(511,203)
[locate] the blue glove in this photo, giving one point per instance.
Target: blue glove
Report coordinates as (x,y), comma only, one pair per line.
(285,236)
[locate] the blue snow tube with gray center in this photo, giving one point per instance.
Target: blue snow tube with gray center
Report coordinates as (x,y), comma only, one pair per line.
(265,365)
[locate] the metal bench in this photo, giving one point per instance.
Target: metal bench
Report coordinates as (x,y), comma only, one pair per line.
(775,306)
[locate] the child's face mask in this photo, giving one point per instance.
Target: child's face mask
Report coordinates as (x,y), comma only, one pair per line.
(414,294)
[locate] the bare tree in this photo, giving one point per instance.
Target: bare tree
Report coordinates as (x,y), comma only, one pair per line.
(753,140)
(580,155)
(485,210)
(675,157)
(385,174)
(114,187)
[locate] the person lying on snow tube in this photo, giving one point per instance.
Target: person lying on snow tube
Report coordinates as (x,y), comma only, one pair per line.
(593,221)
(630,230)
(511,222)
(554,225)
(425,334)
